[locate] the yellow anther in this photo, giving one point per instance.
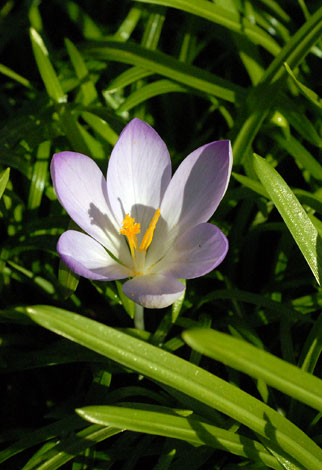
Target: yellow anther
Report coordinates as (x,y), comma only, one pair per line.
(130,229)
(148,236)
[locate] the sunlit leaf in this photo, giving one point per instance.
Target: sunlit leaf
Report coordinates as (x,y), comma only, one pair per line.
(177,373)
(257,363)
(303,231)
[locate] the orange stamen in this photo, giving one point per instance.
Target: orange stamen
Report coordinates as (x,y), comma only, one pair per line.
(148,236)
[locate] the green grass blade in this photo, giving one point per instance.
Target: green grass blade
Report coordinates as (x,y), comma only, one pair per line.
(157,88)
(128,24)
(307,92)
(263,97)
(224,17)
(166,422)
(72,130)
(126,78)
(167,66)
(100,126)
(67,449)
(251,184)
(179,374)
(42,434)
(87,86)
(258,364)
(46,69)
(14,75)
(39,175)
(312,349)
(302,229)
(301,154)
(86,25)
(4,178)
(297,47)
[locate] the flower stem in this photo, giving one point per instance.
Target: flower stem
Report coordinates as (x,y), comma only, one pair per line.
(139,317)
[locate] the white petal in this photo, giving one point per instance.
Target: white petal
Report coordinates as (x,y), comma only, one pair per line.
(86,257)
(81,189)
(153,291)
(138,174)
(194,253)
(193,194)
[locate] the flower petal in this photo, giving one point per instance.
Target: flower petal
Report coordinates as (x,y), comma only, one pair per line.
(198,185)
(86,257)
(195,253)
(138,174)
(153,291)
(81,189)
(193,194)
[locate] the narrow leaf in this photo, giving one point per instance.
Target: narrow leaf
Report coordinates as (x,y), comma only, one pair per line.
(46,69)
(307,92)
(227,18)
(167,66)
(166,422)
(257,363)
(179,374)
(302,229)
(4,178)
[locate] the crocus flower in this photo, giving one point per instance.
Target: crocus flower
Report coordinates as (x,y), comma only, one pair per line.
(140,224)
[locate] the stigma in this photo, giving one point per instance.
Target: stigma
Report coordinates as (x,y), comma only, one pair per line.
(131,229)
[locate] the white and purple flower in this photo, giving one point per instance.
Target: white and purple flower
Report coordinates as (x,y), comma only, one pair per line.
(140,223)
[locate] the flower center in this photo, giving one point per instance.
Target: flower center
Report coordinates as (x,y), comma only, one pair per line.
(131,229)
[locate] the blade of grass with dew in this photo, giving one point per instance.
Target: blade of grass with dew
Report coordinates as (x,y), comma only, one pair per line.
(296,219)
(257,363)
(192,380)
(166,422)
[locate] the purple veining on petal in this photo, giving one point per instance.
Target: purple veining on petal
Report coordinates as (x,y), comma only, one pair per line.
(193,194)
(81,189)
(139,172)
(87,258)
(195,253)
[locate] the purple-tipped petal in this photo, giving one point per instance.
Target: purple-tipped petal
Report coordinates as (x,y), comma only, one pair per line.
(81,189)
(139,172)
(153,291)
(193,194)
(198,185)
(86,257)
(195,253)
